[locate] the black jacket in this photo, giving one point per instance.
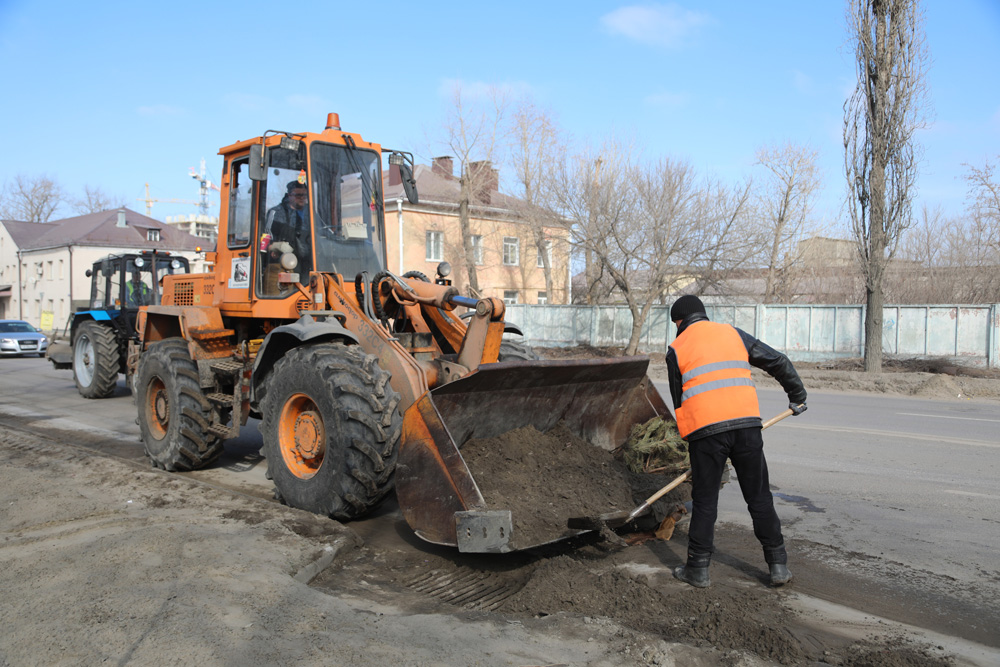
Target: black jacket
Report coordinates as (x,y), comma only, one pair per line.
(761,356)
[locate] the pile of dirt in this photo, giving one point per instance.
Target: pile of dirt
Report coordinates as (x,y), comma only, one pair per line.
(544,479)
(631,588)
(747,620)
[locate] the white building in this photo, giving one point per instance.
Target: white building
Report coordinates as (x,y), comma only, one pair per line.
(43,264)
(203,226)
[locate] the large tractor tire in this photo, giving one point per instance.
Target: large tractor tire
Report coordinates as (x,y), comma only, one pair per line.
(511,351)
(331,428)
(96,360)
(174,414)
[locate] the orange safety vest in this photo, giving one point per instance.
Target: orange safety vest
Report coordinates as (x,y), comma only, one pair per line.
(715,377)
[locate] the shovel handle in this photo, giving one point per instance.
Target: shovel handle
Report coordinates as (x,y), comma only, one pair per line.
(687,475)
(680,479)
(777,418)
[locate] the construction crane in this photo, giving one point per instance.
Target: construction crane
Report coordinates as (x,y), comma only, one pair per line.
(149,202)
(205,184)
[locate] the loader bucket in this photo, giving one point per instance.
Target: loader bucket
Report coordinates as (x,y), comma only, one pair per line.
(598,400)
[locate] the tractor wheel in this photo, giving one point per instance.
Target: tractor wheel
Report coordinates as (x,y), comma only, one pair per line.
(96,360)
(511,351)
(174,415)
(331,430)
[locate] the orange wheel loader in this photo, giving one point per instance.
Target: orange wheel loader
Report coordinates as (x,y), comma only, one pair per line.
(364,381)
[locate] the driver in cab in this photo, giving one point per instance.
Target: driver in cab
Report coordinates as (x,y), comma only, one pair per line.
(288,227)
(289,222)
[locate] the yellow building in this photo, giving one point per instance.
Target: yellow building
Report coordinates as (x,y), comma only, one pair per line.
(508,262)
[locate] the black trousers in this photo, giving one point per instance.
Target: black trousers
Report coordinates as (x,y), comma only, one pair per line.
(745,448)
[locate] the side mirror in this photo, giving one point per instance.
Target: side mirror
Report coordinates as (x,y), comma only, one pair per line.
(409,184)
(258,162)
(89,272)
(405,163)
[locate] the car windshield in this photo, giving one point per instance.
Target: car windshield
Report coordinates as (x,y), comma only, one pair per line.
(17,327)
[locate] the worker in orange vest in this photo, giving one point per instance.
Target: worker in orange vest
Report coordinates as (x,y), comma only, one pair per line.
(715,403)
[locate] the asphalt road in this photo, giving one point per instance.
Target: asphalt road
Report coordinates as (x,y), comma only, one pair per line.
(910,480)
(907,482)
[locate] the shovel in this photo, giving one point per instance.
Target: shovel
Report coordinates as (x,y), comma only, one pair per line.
(620,518)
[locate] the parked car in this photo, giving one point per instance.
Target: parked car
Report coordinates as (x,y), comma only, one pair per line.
(17,337)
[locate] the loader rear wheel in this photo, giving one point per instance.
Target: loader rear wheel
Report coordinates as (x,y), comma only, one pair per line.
(511,351)
(331,429)
(174,414)
(96,360)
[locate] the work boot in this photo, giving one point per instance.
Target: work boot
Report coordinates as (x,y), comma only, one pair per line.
(780,574)
(696,576)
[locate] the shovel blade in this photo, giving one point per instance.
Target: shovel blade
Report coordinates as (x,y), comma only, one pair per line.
(597,399)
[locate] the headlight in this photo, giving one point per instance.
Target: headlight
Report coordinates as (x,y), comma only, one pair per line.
(175,264)
(139,262)
(9,341)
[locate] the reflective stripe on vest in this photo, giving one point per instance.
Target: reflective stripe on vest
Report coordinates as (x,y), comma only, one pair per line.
(715,376)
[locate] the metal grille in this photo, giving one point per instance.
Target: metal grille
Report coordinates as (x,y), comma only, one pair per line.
(184,293)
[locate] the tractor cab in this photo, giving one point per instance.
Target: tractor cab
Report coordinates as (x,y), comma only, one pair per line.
(127,282)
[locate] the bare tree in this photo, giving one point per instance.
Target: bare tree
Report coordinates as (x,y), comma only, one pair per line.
(946,260)
(785,197)
(95,200)
(652,229)
(983,202)
(474,134)
(535,147)
(593,188)
(31,198)
(880,153)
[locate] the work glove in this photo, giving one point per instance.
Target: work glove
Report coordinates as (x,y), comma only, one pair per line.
(797,408)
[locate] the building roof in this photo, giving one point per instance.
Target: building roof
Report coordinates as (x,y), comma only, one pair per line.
(100,229)
(435,187)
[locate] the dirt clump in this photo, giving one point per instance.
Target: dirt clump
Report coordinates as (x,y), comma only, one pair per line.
(894,653)
(544,479)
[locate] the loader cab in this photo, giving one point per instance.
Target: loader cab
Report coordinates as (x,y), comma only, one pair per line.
(306,202)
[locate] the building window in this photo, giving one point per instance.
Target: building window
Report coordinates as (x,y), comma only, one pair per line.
(510,297)
(548,253)
(152,234)
(434,241)
(477,249)
(511,250)
(542,298)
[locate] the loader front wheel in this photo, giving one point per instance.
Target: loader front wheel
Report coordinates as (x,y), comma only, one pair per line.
(331,428)
(174,414)
(96,360)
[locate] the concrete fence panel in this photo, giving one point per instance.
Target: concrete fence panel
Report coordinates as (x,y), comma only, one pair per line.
(966,334)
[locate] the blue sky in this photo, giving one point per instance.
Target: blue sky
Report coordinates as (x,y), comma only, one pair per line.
(118,94)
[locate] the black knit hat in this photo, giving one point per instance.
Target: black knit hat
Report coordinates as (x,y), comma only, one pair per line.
(684,306)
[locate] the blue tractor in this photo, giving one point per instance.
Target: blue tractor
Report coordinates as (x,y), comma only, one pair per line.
(95,341)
